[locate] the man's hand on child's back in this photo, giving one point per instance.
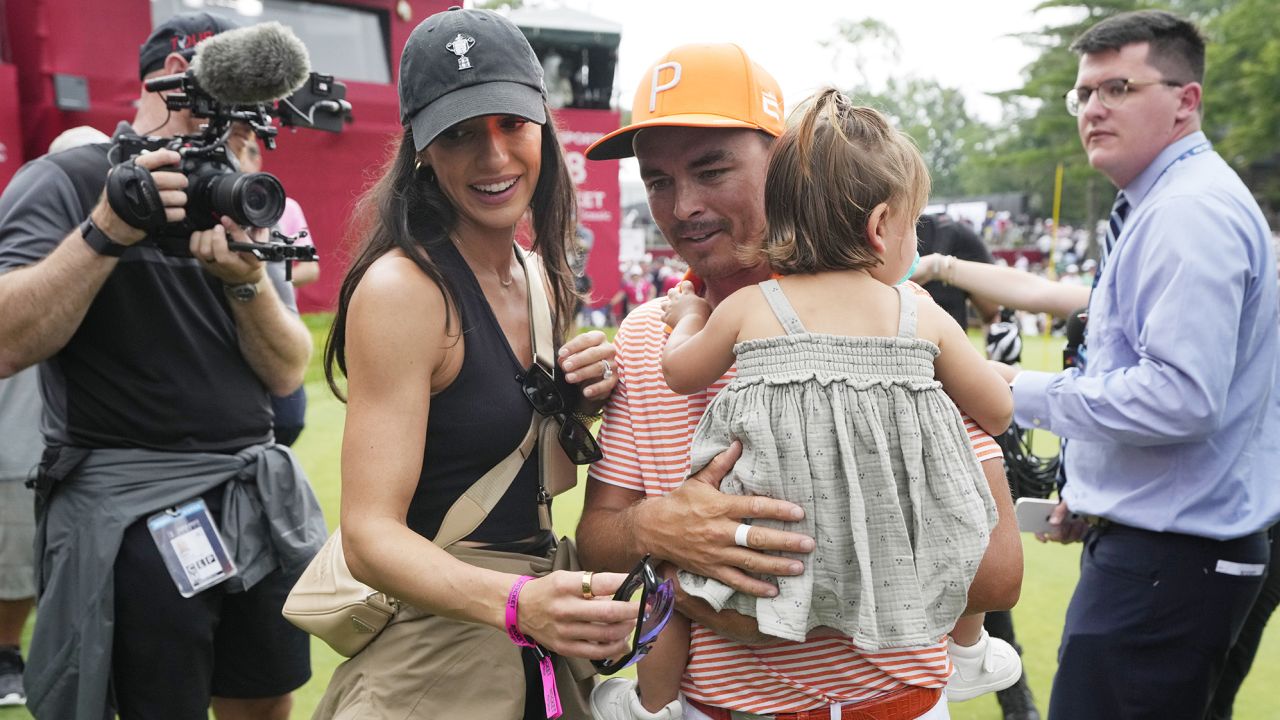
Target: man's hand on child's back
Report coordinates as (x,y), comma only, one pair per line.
(694,527)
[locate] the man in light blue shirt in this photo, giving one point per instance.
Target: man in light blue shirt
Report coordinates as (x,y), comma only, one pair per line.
(1174,424)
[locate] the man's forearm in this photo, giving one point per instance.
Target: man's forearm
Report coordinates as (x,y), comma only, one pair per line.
(274,341)
(998,582)
(606,537)
(45,303)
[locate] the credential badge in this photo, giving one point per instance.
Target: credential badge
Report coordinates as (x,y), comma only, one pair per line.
(459,46)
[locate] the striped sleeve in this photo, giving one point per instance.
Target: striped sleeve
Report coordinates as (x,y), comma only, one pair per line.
(984,446)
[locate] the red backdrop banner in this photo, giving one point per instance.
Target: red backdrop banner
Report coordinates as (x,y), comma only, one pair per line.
(10,124)
(598,201)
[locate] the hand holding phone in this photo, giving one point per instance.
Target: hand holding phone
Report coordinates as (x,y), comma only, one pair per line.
(1033,516)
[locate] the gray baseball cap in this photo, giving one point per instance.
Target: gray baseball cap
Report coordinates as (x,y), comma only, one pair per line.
(460,64)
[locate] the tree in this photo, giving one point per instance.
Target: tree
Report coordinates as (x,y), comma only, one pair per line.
(1242,93)
(933,115)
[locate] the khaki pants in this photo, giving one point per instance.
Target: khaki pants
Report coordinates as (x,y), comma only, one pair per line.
(425,666)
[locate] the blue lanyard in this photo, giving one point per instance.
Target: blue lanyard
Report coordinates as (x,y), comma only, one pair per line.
(1202,147)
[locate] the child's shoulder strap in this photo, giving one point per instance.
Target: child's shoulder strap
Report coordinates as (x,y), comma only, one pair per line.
(781,307)
(907,303)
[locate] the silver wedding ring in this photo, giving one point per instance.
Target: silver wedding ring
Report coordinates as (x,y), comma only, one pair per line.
(608,371)
(740,535)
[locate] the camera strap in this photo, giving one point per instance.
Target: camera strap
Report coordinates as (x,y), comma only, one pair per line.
(133,195)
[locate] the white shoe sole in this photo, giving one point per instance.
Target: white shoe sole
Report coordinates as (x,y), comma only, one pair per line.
(13,700)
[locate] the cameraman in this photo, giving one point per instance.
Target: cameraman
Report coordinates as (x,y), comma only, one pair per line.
(155,372)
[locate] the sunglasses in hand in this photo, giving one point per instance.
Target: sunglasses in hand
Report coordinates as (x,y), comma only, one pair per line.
(549,399)
(657,600)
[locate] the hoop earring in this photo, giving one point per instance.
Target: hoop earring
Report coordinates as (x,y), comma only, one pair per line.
(429,176)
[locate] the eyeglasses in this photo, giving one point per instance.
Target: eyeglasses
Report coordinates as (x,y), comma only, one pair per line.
(1111,93)
(548,399)
(657,600)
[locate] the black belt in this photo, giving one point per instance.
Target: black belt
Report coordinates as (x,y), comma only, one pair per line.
(1102,524)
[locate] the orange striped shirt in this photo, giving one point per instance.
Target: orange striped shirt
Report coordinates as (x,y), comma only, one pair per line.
(645,437)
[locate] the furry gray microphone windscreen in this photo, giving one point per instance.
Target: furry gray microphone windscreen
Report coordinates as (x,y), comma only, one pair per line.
(251,65)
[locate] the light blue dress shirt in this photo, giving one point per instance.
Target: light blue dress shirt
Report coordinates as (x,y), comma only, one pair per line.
(1175,422)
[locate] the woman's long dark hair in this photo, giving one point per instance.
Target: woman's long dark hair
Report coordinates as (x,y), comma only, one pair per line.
(403,202)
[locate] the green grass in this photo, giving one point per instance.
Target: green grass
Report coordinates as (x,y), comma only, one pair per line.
(1051,570)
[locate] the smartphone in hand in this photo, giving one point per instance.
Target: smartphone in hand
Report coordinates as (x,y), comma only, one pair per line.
(1033,514)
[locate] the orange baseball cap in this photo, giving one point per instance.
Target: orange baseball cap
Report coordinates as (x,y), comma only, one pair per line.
(715,86)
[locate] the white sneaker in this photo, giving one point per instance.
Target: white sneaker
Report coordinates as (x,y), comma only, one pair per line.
(988,665)
(616,699)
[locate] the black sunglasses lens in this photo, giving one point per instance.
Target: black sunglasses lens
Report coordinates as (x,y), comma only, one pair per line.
(578,443)
(541,391)
(637,586)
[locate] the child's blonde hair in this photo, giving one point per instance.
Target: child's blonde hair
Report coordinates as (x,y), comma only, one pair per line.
(828,171)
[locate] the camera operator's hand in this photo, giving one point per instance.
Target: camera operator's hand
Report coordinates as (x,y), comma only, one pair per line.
(232,268)
(172,186)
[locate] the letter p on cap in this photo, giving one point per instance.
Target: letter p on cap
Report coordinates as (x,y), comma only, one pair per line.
(657,88)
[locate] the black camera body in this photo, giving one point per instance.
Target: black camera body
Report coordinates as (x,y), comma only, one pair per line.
(215,186)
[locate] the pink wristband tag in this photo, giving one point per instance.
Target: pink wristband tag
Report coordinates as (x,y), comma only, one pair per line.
(550,695)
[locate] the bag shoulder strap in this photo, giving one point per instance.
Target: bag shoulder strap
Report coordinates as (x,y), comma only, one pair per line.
(466,514)
(539,311)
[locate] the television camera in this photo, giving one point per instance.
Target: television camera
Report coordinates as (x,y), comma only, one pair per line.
(239,81)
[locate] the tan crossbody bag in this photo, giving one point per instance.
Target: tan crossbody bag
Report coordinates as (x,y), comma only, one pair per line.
(328,602)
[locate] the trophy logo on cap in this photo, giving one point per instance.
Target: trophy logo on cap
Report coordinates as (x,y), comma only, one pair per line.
(459,46)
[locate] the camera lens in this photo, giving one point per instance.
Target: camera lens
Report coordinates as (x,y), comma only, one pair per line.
(252,199)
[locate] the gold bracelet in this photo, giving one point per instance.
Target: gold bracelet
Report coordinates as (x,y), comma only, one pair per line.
(588,419)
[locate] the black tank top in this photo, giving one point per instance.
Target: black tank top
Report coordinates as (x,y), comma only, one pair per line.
(476,422)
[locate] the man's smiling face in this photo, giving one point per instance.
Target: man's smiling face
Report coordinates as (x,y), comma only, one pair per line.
(706,192)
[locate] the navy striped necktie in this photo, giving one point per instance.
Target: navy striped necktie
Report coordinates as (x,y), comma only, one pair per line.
(1119,211)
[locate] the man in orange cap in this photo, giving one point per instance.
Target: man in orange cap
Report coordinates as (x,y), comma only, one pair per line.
(704,118)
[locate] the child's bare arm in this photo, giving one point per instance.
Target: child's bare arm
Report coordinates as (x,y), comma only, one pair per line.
(700,348)
(976,389)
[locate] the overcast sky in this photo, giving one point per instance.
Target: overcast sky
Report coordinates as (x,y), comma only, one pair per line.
(969,45)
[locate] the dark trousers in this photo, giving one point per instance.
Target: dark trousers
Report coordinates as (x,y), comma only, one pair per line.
(999,623)
(1240,659)
(1149,626)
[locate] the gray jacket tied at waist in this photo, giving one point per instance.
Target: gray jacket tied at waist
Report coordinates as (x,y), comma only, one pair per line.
(270,519)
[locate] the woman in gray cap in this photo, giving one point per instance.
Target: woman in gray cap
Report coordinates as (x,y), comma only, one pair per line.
(433,334)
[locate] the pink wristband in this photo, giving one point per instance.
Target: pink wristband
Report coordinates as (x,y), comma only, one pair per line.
(513,619)
(550,694)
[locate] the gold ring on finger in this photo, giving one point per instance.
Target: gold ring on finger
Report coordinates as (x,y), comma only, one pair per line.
(586,585)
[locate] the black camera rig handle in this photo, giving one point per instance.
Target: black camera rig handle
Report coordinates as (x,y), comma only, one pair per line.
(134,197)
(285,251)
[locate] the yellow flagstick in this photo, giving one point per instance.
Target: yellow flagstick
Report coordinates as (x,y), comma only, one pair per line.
(1053,248)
